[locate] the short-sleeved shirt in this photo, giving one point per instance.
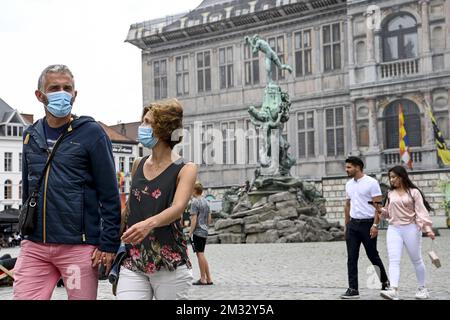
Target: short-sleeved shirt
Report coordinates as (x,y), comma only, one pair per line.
(200,207)
(360,192)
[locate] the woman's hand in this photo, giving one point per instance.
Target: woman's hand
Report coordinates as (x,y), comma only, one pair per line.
(431,235)
(137,233)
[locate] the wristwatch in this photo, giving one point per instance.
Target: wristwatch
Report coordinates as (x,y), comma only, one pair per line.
(375,225)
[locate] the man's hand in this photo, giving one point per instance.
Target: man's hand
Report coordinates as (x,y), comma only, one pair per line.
(105,258)
(373,232)
(137,233)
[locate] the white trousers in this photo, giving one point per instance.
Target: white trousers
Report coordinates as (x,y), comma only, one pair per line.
(162,285)
(411,237)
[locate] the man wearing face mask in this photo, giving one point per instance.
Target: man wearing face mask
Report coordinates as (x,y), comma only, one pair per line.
(78,207)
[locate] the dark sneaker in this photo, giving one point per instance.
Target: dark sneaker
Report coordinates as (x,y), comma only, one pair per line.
(385,286)
(350,294)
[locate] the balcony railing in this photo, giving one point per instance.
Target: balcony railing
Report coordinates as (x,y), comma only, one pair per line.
(392,158)
(399,68)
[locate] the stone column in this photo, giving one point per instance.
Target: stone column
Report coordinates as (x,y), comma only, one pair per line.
(370,68)
(354,131)
(351,51)
(447,14)
(429,135)
(427,64)
(425,25)
(317,52)
(373,155)
(373,125)
(370,37)
(448,103)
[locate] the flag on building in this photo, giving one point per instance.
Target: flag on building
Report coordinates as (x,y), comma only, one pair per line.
(441,146)
(405,155)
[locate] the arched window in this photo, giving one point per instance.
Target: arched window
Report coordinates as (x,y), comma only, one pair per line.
(400,38)
(8,189)
(412,124)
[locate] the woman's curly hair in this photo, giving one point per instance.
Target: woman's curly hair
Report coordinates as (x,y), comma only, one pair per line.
(167,121)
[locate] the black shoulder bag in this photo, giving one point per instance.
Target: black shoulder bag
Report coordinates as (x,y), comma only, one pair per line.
(28,213)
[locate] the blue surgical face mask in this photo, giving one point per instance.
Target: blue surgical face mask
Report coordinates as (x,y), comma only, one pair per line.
(59,103)
(146,137)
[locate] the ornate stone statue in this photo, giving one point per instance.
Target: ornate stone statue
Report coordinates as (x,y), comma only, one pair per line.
(272,116)
(259,44)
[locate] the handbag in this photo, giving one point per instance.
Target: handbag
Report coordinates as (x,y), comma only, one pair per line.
(434,257)
(28,212)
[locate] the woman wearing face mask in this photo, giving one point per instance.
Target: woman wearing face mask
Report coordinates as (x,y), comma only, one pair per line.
(157,266)
(406,210)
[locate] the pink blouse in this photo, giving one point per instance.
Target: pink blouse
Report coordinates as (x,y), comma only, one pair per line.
(402,210)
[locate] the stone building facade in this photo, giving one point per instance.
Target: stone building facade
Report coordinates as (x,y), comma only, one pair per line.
(355,63)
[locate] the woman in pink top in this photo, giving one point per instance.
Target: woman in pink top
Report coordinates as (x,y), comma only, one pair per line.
(406,210)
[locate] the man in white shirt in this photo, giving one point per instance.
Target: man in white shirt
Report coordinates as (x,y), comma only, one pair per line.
(363,193)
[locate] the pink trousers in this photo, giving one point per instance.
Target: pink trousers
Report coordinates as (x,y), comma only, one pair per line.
(40,266)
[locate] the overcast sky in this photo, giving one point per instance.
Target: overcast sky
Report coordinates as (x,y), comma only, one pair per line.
(86,35)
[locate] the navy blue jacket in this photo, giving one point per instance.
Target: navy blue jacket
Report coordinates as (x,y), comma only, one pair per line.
(79,199)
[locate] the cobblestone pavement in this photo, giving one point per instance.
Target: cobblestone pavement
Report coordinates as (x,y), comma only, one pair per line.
(311,271)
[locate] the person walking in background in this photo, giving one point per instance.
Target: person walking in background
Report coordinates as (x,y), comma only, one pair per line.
(157,265)
(200,219)
(361,224)
(406,210)
(78,209)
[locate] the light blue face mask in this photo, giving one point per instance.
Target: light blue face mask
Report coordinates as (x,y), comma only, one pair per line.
(146,137)
(59,103)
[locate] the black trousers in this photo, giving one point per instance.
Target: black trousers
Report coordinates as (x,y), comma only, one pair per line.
(357,232)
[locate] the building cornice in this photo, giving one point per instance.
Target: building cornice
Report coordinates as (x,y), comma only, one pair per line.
(309,9)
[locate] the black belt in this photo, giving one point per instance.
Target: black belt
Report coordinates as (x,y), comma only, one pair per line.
(361,220)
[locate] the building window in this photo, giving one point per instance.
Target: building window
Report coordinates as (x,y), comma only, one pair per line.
(182,69)
(302,53)
(130,164)
(121,164)
(277,45)
(229,142)
(8,161)
(207,138)
(363,135)
(20,190)
(331,37)
(412,123)
(8,189)
(226,67)
(160,79)
(442,122)
(305,128)
(184,147)
(252,143)
(251,62)
(20,162)
(400,38)
(334,119)
(204,71)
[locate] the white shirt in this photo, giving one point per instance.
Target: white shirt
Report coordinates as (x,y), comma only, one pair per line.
(360,192)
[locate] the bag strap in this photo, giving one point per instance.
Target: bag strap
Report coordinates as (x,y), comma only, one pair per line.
(50,158)
(126,211)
